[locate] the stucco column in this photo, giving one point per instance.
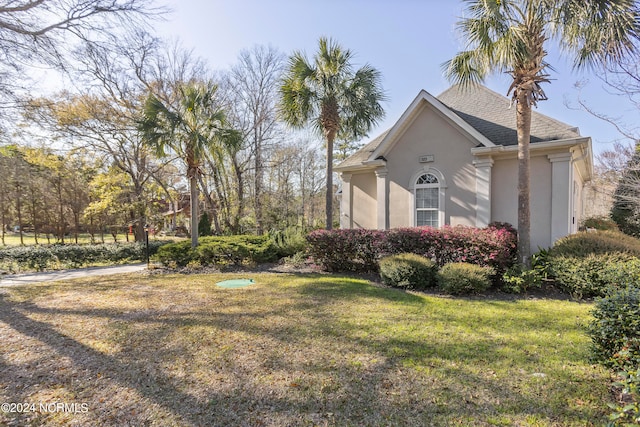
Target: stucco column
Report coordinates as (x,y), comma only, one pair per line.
(483,191)
(561,183)
(382,191)
(346,217)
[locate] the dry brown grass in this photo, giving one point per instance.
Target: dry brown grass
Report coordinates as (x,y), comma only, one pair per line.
(292,350)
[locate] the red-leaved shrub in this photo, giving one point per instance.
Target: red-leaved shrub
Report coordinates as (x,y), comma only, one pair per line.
(346,250)
(360,250)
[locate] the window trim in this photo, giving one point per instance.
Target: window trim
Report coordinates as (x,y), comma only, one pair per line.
(413,186)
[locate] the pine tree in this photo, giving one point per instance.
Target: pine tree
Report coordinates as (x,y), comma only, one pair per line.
(204,225)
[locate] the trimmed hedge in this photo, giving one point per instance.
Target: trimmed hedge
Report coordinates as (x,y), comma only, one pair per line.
(43,257)
(408,270)
(360,250)
(596,242)
(219,251)
(590,264)
(594,275)
(460,278)
(346,250)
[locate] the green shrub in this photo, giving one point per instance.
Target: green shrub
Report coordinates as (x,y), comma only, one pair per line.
(626,362)
(288,242)
(616,323)
(597,242)
(408,270)
(43,257)
(518,279)
(458,278)
(594,275)
(220,251)
(236,250)
(18,258)
(599,223)
(177,254)
(297,260)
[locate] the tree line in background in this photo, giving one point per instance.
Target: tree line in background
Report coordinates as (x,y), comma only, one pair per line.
(108,173)
(149,135)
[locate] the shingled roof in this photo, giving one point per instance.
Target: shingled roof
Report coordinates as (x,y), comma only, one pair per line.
(363,153)
(489,113)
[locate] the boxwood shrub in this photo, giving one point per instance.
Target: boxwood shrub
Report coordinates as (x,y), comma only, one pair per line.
(460,278)
(408,270)
(599,223)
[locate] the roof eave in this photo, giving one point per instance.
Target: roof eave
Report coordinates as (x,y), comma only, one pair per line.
(366,165)
(536,146)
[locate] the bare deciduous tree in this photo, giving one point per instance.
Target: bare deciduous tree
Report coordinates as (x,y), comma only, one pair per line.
(43,32)
(252,91)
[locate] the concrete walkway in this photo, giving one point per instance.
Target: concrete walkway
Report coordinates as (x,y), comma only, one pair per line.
(53,276)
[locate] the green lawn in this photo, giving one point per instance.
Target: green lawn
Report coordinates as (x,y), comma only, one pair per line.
(293,350)
(13,239)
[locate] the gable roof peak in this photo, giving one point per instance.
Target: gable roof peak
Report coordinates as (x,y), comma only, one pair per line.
(481,113)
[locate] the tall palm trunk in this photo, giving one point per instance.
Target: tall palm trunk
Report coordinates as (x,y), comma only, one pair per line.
(329,195)
(523,125)
(193,187)
(330,120)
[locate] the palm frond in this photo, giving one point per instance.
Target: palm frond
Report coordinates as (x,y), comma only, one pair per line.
(329,95)
(361,107)
(466,68)
(190,127)
(598,32)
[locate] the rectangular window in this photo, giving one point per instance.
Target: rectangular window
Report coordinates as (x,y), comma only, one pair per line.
(427,207)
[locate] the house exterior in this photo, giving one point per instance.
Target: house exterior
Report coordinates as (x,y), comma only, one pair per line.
(452,160)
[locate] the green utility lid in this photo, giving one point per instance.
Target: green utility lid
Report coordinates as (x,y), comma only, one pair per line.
(235,283)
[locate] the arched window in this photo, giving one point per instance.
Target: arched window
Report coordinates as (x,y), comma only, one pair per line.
(427,200)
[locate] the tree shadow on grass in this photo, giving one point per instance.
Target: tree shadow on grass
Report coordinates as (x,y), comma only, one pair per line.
(94,364)
(367,382)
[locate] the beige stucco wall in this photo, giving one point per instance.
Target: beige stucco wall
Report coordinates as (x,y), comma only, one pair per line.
(363,193)
(504,204)
(432,134)
(556,184)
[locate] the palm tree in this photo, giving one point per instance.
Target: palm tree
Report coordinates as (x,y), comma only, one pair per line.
(511,36)
(334,99)
(190,127)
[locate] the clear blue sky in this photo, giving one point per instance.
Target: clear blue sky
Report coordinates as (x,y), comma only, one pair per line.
(407,40)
